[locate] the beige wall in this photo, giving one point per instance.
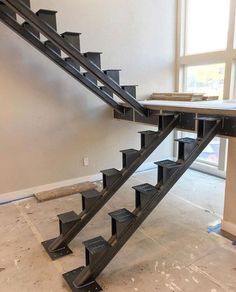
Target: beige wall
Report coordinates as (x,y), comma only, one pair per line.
(49,122)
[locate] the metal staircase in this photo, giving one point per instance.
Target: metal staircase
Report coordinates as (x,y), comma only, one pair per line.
(98,251)
(84,67)
(92,201)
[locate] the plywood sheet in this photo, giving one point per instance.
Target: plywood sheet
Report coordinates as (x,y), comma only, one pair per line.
(226,108)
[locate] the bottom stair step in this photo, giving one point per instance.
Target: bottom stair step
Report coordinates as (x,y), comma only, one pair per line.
(120,219)
(94,248)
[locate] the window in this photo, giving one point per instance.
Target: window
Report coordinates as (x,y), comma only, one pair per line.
(206,25)
(207,79)
(206,60)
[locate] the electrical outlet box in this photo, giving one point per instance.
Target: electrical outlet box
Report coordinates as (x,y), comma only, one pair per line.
(86,161)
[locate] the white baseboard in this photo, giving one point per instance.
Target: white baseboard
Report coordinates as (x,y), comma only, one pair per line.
(17,195)
(229,227)
(21,194)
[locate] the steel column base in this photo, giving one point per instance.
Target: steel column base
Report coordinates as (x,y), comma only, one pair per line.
(59,253)
(91,286)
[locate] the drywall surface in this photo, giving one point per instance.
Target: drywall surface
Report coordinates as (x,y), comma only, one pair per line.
(49,122)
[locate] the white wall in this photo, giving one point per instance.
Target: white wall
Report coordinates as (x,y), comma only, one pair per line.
(49,122)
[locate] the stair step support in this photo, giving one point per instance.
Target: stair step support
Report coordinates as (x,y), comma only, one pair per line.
(164,120)
(67,221)
(129,156)
(147,137)
(143,193)
(165,169)
(89,199)
(73,38)
(205,125)
(113,74)
(186,146)
(131,89)
(94,57)
(48,16)
(94,248)
(110,176)
(120,219)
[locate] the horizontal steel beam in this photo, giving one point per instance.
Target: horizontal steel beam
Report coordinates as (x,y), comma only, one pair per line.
(187,120)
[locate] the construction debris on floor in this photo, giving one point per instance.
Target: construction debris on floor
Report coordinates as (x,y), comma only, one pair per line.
(171,251)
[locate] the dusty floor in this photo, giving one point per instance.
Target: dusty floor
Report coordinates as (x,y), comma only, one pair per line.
(172,251)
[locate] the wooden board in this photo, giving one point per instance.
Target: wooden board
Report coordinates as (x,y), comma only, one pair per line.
(64,191)
(191,97)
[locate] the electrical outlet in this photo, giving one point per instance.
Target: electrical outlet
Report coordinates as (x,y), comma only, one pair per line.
(86,161)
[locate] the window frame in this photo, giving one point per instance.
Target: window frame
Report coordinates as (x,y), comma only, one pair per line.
(228,57)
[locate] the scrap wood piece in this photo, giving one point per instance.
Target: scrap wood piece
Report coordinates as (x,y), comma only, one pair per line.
(208,97)
(64,191)
(182,96)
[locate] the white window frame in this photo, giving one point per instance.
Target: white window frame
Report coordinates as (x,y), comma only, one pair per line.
(228,57)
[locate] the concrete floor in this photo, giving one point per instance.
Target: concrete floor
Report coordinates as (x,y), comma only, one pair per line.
(172,251)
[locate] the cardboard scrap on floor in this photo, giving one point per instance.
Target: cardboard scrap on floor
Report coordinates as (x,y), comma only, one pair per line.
(178,96)
(64,191)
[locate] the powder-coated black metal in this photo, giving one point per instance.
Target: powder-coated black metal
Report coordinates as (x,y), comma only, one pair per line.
(111,186)
(52,35)
(143,211)
(64,64)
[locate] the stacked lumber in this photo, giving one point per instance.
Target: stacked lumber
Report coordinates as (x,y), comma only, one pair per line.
(178,96)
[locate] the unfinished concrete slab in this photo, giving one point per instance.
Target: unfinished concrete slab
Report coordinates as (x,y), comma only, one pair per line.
(171,251)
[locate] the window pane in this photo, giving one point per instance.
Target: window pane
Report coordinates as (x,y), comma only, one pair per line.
(211,152)
(208,79)
(206,25)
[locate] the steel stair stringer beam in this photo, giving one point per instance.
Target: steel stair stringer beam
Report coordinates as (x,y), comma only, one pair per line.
(21,9)
(57,245)
(35,42)
(87,275)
